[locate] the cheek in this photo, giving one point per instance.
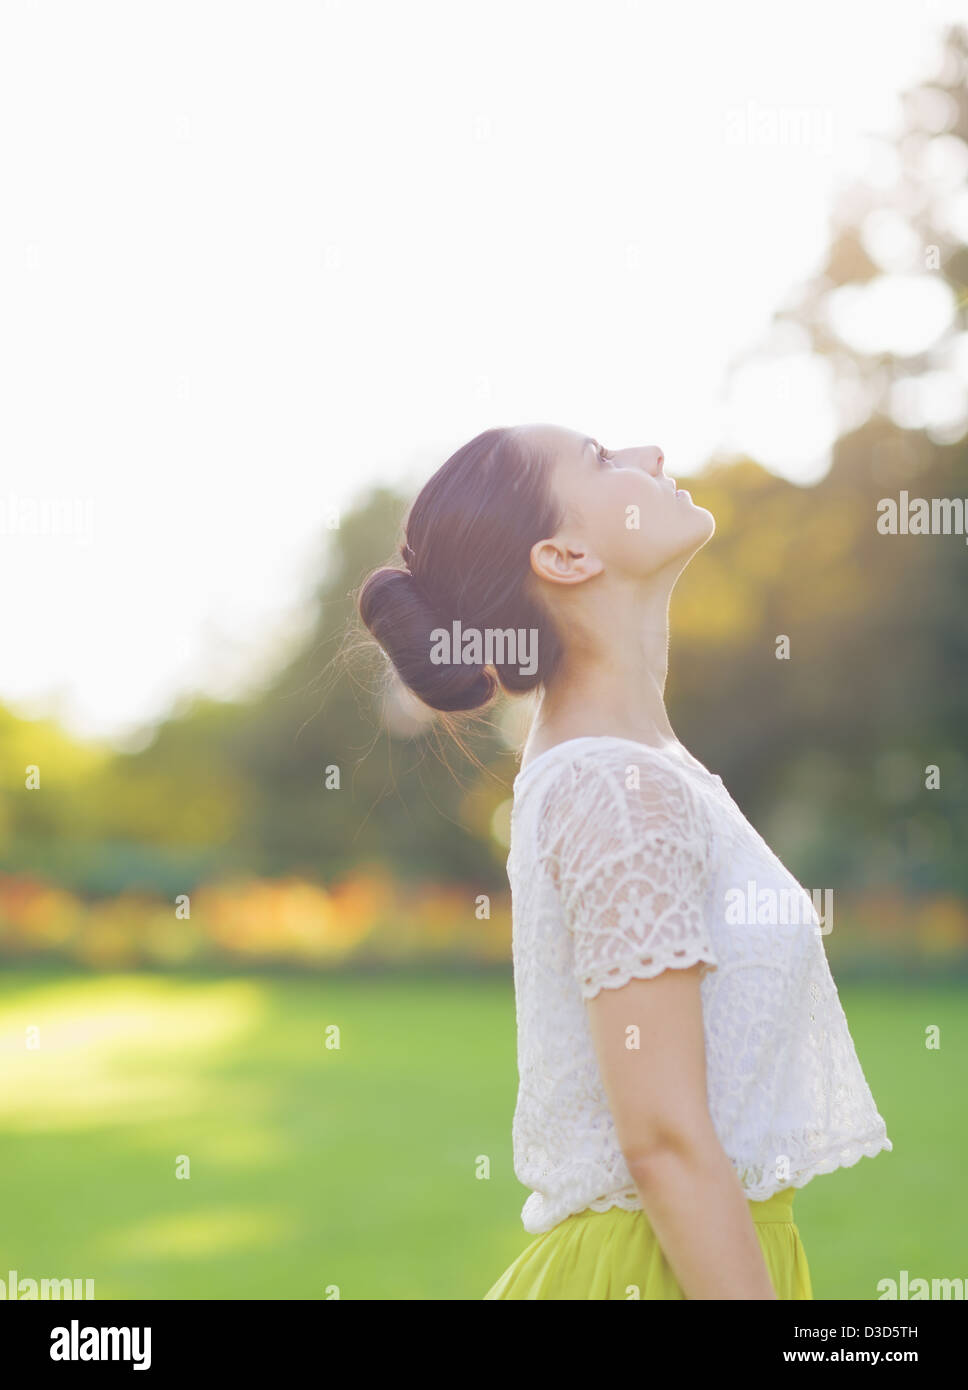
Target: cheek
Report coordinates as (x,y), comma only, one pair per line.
(645,521)
(634,511)
(658,529)
(632,528)
(638,537)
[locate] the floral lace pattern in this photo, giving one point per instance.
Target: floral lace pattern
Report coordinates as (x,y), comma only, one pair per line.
(623,860)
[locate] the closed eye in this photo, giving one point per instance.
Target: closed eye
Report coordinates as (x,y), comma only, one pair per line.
(604,455)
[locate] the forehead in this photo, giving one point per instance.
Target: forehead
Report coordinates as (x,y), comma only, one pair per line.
(556,440)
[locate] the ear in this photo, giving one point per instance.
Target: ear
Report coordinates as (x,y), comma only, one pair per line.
(561,564)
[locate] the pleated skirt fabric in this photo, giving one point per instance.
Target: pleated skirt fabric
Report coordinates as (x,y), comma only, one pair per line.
(615,1254)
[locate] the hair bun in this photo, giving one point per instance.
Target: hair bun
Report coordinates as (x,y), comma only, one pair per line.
(402,620)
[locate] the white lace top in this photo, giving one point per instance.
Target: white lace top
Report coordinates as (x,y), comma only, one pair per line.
(626,860)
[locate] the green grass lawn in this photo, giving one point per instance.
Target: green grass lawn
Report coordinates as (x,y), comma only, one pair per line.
(357,1167)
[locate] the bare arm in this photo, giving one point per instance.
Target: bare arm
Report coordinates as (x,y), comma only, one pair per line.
(657,1097)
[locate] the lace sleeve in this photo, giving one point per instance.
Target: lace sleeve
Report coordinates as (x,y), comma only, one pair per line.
(626,843)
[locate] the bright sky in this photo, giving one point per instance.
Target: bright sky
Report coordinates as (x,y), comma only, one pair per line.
(255,256)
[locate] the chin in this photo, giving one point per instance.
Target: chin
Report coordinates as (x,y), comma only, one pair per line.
(709,519)
(701,531)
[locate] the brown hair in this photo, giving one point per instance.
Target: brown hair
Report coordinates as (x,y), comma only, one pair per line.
(468,538)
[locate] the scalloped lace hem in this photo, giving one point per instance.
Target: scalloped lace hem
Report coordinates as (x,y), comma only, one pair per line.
(648,969)
(842,1156)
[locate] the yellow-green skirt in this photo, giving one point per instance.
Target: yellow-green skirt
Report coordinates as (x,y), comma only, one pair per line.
(615,1254)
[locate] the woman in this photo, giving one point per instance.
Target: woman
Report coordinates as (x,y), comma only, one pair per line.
(684,1063)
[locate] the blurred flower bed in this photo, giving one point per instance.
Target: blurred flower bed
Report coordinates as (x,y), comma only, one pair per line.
(367,917)
(373,918)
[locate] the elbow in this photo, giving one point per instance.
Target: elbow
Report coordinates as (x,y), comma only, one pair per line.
(689,1145)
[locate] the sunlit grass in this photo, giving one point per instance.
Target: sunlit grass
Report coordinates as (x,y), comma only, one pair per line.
(220,1232)
(93,1052)
(355,1166)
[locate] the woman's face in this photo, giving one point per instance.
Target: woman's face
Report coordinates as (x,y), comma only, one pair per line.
(620,508)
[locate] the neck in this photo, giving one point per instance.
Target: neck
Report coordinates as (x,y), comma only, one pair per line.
(612,676)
